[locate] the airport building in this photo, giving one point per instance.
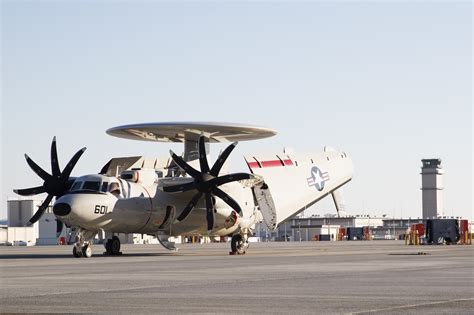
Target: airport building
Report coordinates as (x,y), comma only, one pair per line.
(301,228)
(19,232)
(310,233)
(432,188)
(328,228)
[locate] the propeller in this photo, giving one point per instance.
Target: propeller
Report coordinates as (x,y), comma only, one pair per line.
(206,182)
(55,185)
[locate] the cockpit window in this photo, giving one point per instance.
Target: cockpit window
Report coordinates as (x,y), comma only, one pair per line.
(104,187)
(114,189)
(76,186)
(91,186)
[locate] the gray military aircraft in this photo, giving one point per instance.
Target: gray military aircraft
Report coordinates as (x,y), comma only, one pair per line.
(185,195)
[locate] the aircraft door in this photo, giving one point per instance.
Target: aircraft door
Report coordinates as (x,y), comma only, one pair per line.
(161,219)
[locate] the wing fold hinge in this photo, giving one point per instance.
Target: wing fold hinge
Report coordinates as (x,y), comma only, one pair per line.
(264,200)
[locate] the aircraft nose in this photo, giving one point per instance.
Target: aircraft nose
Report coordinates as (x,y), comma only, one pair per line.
(61,209)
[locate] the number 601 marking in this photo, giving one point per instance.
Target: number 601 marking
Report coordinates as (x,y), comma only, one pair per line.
(100,209)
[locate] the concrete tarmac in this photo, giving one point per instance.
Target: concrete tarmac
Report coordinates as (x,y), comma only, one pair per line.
(301,278)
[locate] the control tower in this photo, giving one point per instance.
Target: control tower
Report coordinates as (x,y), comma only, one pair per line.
(432,188)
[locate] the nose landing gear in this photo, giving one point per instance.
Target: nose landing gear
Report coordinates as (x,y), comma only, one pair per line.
(239,244)
(83,245)
(85,251)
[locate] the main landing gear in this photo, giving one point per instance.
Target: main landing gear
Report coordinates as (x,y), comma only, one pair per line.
(239,244)
(112,246)
(83,245)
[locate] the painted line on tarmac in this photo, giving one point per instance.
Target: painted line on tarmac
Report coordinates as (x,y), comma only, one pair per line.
(403,307)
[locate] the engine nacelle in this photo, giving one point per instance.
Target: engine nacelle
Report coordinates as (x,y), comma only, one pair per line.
(145,177)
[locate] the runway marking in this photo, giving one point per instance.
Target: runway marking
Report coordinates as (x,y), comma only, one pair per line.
(158,286)
(412,306)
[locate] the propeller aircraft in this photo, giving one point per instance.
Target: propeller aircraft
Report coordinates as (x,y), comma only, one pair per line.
(184,194)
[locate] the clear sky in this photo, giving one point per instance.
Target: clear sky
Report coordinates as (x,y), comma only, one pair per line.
(389,82)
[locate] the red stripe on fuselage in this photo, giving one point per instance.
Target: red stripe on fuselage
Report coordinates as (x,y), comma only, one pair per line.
(270,163)
(288,162)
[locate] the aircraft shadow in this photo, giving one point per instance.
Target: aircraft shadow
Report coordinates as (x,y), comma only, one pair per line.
(62,256)
(33,256)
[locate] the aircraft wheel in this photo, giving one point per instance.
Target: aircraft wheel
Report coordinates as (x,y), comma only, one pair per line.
(87,251)
(76,252)
(112,246)
(115,246)
(237,245)
(108,247)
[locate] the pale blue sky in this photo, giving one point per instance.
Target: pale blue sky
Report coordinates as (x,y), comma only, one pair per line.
(389,83)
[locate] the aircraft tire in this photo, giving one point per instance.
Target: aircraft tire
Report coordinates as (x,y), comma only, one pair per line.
(76,252)
(236,245)
(108,247)
(87,251)
(115,246)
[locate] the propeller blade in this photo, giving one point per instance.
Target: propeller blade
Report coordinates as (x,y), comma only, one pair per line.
(216,168)
(209,212)
(68,169)
(56,172)
(104,169)
(59,227)
(69,183)
(41,209)
(227,199)
(179,188)
(185,166)
(202,155)
(221,180)
(55,184)
(190,206)
(30,191)
(38,170)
